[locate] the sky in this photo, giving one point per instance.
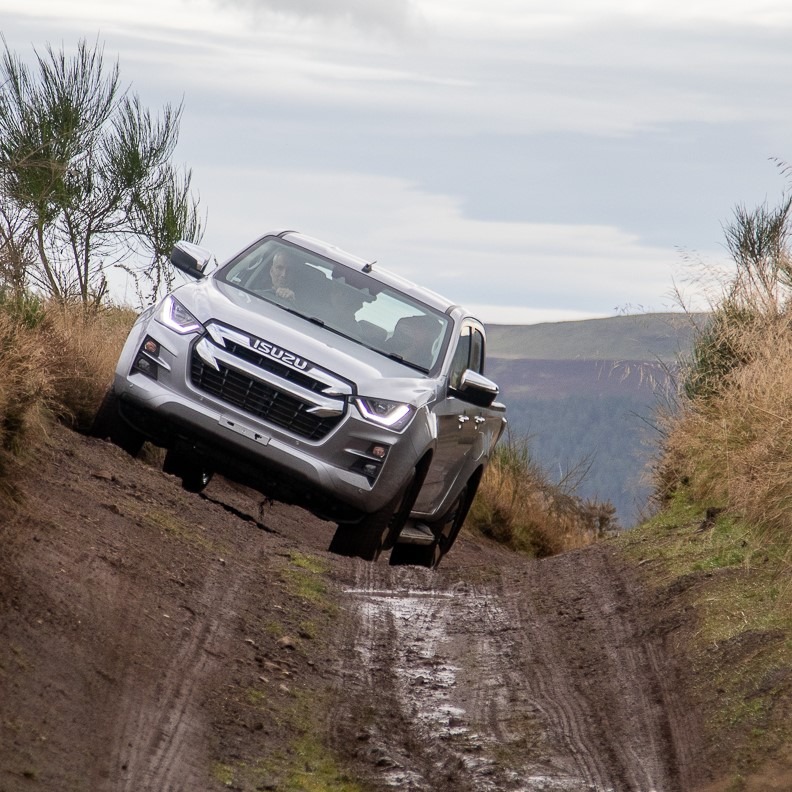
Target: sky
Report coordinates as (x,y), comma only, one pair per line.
(533,160)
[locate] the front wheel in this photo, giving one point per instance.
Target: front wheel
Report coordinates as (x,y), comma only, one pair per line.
(377,531)
(109,425)
(445,530)
(193,473)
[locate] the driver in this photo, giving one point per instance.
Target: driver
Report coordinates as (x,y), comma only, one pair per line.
(280,274)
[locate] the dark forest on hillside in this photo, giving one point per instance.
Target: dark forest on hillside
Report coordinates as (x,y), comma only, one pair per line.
(590,422)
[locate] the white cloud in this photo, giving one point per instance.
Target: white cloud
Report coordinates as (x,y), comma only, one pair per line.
(342,118)
(591,270)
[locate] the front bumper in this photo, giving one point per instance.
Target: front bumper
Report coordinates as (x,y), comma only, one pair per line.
(321,475)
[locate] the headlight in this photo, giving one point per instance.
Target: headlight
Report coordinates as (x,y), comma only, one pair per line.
(173,314)
(391,414)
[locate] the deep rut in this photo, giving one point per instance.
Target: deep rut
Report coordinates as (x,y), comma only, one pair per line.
(538,680)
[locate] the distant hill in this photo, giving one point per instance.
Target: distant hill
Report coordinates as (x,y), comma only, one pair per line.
(585,394)
(655,337)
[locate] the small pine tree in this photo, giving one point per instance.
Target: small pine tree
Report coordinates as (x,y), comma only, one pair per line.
(86,182)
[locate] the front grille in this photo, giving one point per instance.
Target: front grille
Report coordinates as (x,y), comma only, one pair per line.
(268,364)
(260,399)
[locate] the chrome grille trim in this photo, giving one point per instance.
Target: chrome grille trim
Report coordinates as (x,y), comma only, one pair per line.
(308,401)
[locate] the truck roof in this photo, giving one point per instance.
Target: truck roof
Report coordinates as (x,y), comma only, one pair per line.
(381,274)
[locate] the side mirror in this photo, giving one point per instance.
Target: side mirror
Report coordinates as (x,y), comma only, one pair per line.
(476,388)
(191,259)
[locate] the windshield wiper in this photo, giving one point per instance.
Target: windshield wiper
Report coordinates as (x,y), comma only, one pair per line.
(399,359)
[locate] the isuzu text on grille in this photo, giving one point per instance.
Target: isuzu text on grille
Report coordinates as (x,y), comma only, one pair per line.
(288,358)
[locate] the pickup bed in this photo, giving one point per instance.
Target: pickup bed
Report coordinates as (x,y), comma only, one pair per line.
(319,379)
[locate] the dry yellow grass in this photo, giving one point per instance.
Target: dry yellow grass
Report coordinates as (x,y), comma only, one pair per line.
(54,364)
(25,392)
(518,506)
(86,344)
(734,448)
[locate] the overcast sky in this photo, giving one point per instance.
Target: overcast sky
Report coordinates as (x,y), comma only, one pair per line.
(535,160)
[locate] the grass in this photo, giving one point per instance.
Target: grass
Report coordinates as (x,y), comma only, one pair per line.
(518,506)
(304,578)
(56,362)
(739,643)
(173,526)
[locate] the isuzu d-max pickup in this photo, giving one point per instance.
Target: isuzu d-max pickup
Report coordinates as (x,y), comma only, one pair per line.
(319,379)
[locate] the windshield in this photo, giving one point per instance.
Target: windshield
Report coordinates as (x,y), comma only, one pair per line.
(342,299)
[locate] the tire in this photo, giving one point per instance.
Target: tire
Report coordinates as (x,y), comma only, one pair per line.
(377,531)
(446,530)
(193,473)
(109,425)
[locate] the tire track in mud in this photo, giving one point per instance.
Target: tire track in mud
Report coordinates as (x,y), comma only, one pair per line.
(160,741)
(537,681)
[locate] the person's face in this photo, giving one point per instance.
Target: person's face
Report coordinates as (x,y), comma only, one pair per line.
(278,273)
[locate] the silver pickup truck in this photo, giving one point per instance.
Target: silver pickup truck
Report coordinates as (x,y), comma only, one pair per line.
(319,379)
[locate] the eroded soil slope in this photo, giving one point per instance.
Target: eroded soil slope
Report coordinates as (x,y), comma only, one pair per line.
(155,640)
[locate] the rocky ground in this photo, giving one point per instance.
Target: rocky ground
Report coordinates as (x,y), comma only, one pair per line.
(152,639)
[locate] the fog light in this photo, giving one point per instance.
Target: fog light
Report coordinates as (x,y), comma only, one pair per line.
(146,361)
(379,451)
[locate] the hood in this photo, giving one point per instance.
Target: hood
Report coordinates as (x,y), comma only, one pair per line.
(372,373)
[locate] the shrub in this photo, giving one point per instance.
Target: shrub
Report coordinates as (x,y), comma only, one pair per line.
(56,361)
(730,442)
(518,506)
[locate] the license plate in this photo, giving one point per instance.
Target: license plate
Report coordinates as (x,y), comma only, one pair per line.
(245,431)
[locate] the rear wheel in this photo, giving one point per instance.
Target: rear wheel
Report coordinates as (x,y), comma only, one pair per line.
(109,425)
(193,473)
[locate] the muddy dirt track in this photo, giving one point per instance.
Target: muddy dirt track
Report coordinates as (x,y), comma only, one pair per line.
(151,639)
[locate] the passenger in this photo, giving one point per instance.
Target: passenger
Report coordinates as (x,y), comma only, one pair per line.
(345,301)
(413,339)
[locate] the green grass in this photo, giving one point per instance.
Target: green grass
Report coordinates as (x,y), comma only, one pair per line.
(738,643)
(307,765)
(180,530)
(304,578)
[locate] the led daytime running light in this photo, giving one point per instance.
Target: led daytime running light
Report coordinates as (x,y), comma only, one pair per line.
(393,415)
(175,316)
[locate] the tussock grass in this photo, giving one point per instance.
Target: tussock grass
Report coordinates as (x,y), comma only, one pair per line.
(518,506)
(56,361)
(733,447)
(730,443)
(85,344)
(25,392)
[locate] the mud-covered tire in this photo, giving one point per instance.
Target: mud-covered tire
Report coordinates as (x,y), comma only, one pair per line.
(446,530)
(377,531)
(109,425)
(193,473)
